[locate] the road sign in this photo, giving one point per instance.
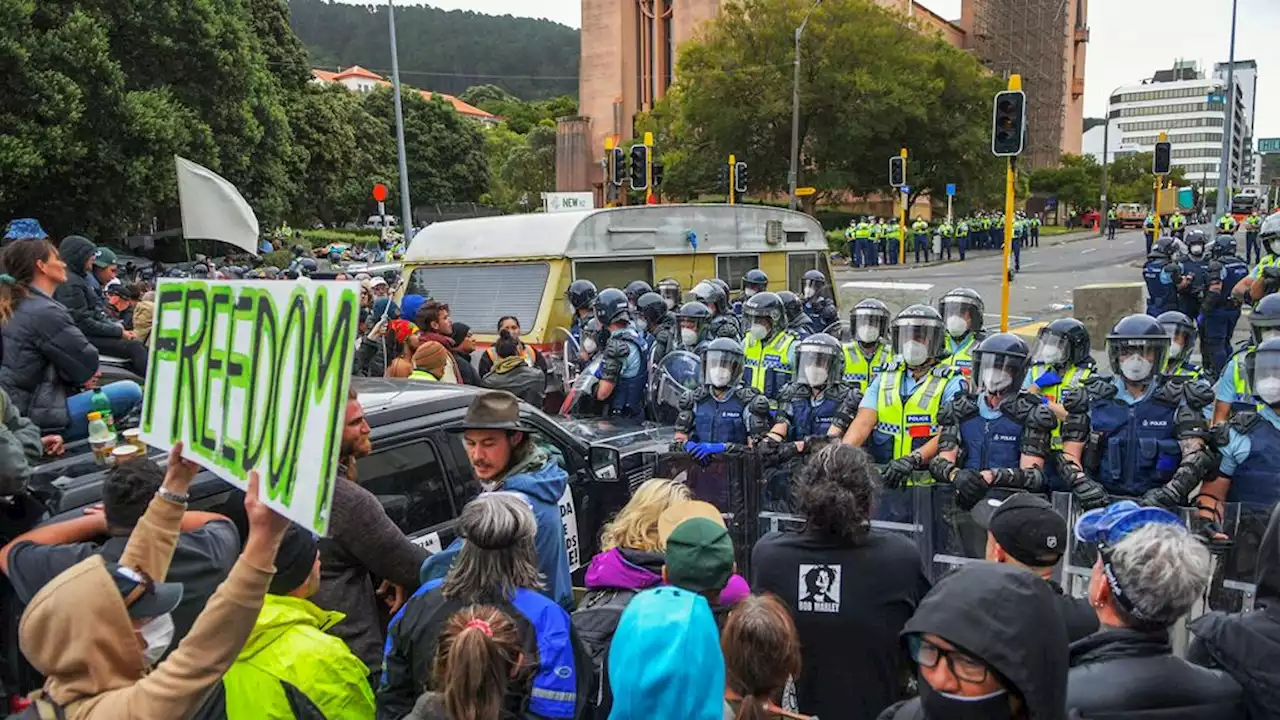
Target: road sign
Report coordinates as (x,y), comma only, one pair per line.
(951,189)
(806,191)
(380,192)
(1268,145)
(1218,98)
(906,189)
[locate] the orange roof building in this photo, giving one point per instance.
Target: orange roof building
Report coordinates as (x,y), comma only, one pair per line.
(358,79)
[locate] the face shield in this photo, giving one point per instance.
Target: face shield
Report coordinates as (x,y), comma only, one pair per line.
(1265,377)
(816,365)
(721,369)
(1181,341)
(1195,249)
(869,325)
(759,325)
(998,374)
(1264,329)
(1137,360)
(690,331)
(1051,349)
(670,295)
(812,289)
(916,340)
(958,313)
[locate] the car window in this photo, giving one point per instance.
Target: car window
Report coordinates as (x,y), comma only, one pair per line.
(410,483)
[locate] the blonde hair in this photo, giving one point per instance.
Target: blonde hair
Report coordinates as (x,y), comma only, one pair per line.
(636,525)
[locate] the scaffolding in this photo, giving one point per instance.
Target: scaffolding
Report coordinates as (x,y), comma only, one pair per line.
(1030,38)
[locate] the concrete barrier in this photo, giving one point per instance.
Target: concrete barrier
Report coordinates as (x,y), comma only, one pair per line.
(1101,306)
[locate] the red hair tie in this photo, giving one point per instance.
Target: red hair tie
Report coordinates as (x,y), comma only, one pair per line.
(481,625)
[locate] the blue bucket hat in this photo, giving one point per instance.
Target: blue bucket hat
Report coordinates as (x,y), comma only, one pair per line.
(25,229)
(1106,527)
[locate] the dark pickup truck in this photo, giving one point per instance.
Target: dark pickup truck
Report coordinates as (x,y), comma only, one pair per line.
(418,470)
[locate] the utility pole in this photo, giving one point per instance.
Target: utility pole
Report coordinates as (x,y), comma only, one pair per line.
(406,205)
(902,215)
(649,197)
(795,111)
(1224,169)
(733,180)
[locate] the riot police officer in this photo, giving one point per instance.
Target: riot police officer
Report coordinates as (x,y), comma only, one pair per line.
(817,405)
(723,323)
(1139,433)
(1182,341)
(770,348)
(1232,390)
(1196,266)
(898,415)
(1163,277)
(581,295)
(651,318)
(1264,279)
(1061,359)
(816,303)
(634,290)
(624,368)
(1221,307)
(754,281)
(1149,230)
(962,313)
(671,294)
(798,322)
(693,320)
(995,436)
(1249,443)
(868,354)
(722,414)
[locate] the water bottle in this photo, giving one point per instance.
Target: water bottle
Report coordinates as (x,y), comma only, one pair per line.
(101,404)
(101,439)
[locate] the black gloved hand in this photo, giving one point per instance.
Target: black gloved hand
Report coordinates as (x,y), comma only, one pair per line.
(1090,493)
(1162,496)
(898,471)
(1271,278)
(970,488)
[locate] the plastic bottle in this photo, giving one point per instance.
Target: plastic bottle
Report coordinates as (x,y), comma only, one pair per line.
(102,405)
(101,439)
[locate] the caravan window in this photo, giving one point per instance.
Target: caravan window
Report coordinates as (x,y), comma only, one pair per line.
(613,273)
(731,268)
(480,294)
(797,265)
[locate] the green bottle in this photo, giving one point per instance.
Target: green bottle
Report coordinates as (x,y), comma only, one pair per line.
(102,404)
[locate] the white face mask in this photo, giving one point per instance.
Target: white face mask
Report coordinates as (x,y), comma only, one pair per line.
(589,346)
(1269,390)
(158,634)
(720,377)
(1175,349)
(914,353)
(957,326)
(1135,368)
(1196,250)
(809,292)
(671,304)
(689,337)
(996,380)
(1052,355)
(815,376)
(642,324)
(759,332)
(868,334)
(748,292)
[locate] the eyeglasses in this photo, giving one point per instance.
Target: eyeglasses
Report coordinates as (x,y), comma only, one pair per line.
(926,654)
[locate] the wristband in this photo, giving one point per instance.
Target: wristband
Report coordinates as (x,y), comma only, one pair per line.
(173,497)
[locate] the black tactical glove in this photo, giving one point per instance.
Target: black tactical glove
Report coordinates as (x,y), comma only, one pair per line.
(970,488)
(1163,496)
(898,471)
(1090,493)
(1271,278)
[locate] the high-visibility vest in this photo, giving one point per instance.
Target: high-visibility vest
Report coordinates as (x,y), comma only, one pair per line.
(768,367)
(911,422)
(1177,221)
(526,354)
(859,369)
(1073,378)
(423,375)
(962,354)
(862,231)
(919,226)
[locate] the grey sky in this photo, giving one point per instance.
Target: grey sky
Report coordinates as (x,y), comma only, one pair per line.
(1129,40)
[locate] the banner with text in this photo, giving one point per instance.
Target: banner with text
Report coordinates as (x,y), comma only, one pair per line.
(253,375)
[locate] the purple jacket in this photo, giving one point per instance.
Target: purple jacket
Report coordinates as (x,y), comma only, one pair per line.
(637,570)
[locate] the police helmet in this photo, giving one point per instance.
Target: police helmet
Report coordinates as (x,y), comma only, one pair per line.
(869,321)
(962,304)
(1182,334)
(708,293)
(652,308)
(1262,368)
(1137,347)
(581,294)
(1265,319)
(1164,249)
(1224,246)
(670,291)
(1061,341)
(722,362)
(1197,243)
(761,307)
(813,284)
(635,289)
(791,304)
(755,281)
(917,335)
(612,306)
(1000,363)
(724,286)
(819,360)
(1269,233)
(693,317)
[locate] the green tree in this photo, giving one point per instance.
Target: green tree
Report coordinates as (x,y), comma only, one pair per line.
(338,142)
(1075,182)
(523,166)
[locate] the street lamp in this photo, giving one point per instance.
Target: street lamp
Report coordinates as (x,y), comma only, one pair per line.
(1106,140)
(1229,123)
(795,108)
(406,207)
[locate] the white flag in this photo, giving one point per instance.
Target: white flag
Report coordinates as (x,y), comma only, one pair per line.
(213,209)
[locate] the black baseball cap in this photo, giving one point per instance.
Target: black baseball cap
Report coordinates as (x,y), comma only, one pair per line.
(1026,526)
(143,597)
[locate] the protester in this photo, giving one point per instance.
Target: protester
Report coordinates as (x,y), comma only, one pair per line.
(510,324)
(496,565)
(410,304)
(852,587)
(430,361)
(206,550)
(402,366)
(1247,644)
(433,320)
(1150,572)
(81,293)
(98,630)
(464,344)
(143,316)
(699,553)
(122,300)
(21,445)
(47,360)
(1025,531)
(480,653)
(289,667)
(989,643)
(761,654)
(362,541)
(513,374)
(373,347)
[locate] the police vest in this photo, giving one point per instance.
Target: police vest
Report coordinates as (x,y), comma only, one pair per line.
(862,231)
(946,230)
(423,375)
(1182,369)
(1253,223)
(860,370)
(905,425)
(1199,272)
(1226,223)
(809,418)
(768,367)
(893,232)
(1177,221)
(1160,297)
(920,228)
(526,354)
(1139,450)
(962,355)
(720,421)
(1254,480)
(1072,379)
(1219,321)
(1244,399)
(628,395)
(1149,223)
(991,444)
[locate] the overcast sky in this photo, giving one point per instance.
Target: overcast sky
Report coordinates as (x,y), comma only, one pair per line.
(1129,40)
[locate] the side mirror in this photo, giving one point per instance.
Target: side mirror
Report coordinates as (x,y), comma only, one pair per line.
(606,464)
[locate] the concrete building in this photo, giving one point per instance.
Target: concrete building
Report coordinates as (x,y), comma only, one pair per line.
(629,50)
(1245,78)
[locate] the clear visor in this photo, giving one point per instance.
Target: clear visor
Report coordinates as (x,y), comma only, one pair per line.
(1137,360)
(691,323)
(869,325)
(998,374)
(812,288)
(964,307)
(816,365)
(721,369)
(1181,340)
(1051,349)
(908,333)
(1264,378)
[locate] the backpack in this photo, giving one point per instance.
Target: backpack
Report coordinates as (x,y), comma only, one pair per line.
(596,620)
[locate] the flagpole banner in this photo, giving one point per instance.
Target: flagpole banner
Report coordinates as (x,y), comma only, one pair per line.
(253,375)
(213,209)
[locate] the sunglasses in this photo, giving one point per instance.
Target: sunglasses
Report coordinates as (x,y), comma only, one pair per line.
(927,655)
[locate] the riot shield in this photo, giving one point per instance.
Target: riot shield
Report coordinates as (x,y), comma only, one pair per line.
(563,359)
(729,483)
(676,374)
(581,399)
(834,329)
(1234,588)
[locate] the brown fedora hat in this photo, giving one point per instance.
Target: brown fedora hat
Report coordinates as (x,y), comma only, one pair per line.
(493,410)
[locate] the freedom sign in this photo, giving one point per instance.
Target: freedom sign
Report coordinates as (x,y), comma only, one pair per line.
(253,375)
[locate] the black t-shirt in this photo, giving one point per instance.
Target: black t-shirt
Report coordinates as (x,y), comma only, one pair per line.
(201,561)
(849,603)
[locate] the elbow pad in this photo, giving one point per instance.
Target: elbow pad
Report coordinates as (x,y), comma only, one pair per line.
(1031,480)
(1037,433)
(1189,423)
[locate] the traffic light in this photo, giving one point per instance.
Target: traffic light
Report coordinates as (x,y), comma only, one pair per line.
(618,175)
(658,169)
(1162,158)
(897,171)
(1009,123)
(740,176)
(639,167)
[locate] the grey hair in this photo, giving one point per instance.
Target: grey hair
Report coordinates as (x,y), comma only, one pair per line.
(1163,569)
(499,555)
